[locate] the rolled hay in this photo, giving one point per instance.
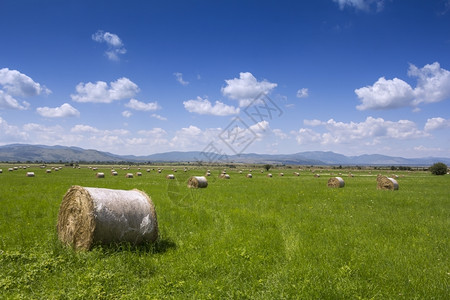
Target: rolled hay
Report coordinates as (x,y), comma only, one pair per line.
(89,216)
(249,175)
(138,173)
(197,182)
(224,176)
(1,171)
(148,170)
(296,173)
(10,169)
(129,175)
(170,176)
(317,175)
(114,173)
(386,183)
(159,171)
(269,175)
(208,174)
(48,171)
(336,182)
(100,175)
(30,174)
(281,174)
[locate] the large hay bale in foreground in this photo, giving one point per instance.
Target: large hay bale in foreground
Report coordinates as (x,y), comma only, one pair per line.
(89,216)
(386,183)
(197,182)
(336,182)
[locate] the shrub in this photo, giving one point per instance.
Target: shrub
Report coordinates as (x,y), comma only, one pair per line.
(438,169)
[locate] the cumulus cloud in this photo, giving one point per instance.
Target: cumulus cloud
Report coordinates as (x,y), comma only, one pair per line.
(159,117)
(141,106)
(370,131)
(154,133)
(7,101)
(302,93)
(246,88)
(179,78)
(437,123)
(313,122)
(364,5)
(204,107)
(65,110)
(101,92)
(113,42)
(433,85)
(127,113)
(10,133)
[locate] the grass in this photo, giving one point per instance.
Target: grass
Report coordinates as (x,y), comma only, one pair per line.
(261,238)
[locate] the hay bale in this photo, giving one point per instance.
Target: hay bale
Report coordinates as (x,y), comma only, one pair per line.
(281,174)
(100,175)
(269,175)
(336,182)
(170,176)
(148,170)
(386,183)
(89,216)
(30,174)
(197,182)
(138,174)
(317,175)
(224,176)
(114,173)
(10,169)
(159,171)
(129,175)
(48,171)
(1,171)
(208,174)
(249,175)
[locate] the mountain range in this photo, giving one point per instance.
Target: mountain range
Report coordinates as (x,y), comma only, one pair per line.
(43,153)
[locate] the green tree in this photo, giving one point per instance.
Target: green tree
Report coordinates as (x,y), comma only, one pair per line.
(267,167)
(438,169)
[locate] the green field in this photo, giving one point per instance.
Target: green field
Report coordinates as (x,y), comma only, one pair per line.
(261,238)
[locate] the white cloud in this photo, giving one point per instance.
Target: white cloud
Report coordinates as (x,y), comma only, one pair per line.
(437,123)
(84,128)
(126,114)
(313,123)
(100,92)
(433,85)
(154,133)
(302,93)
(113,42)
(179,77)
(161,118)
(141,106)
(365,5)
(370,131)
(204,107)
(10,133)
(280,134)
(246,88)
(18,84)
(65,110)
(7,101)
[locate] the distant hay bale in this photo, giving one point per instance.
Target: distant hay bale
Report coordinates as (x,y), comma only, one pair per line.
(296,173)
(281,174)
(208,174)
(386,183)
(224,176)
(148,170)
(10,169)
(316,175)
(240,172)
(249,175)
(269,175)
(336,182)
(89,216)
(30,174)
(138,174)
(129,175)
(1,171)
(170,176)
(16,168)
(48,171)
(114,173)
(197,182)
(159,171)
(100,175)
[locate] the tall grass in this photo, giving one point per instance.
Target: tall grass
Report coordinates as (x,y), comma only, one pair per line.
(274,238)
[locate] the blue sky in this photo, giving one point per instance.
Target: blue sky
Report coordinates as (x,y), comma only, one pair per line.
(142,77)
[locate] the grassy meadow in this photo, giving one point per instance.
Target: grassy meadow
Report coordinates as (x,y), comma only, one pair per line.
(285,237)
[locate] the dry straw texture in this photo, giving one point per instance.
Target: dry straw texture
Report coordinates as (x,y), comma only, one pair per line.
(386,183)
(197,182)
(89,216)
(336,182)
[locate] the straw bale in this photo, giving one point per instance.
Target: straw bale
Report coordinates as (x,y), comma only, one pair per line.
(148,170)
(269,175)
(224,176)
(336,182)
(1,171)
(208,174)
(48,171)
(170,176)
(114,173)
(316,175)
(197,182)
(386,183)
(30,174)
(281,174)
(138,174)
(89,216)
(129,175)
(100,175)
(249,175)
(10,169)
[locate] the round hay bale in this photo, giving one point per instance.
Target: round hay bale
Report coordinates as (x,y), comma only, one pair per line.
(1,171)
(138,174)
(336,182)
(269,175)
(114,173)
(281,174)
(159,171)
(170,176)
(208,174)
(48,171)
(100,175)
(317,175)
(296,173)
(10,169)
(197,182)
(129,175)
(89,216)
(148,170)
(249,175)
(386,183)
(30,174)
(224,176)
